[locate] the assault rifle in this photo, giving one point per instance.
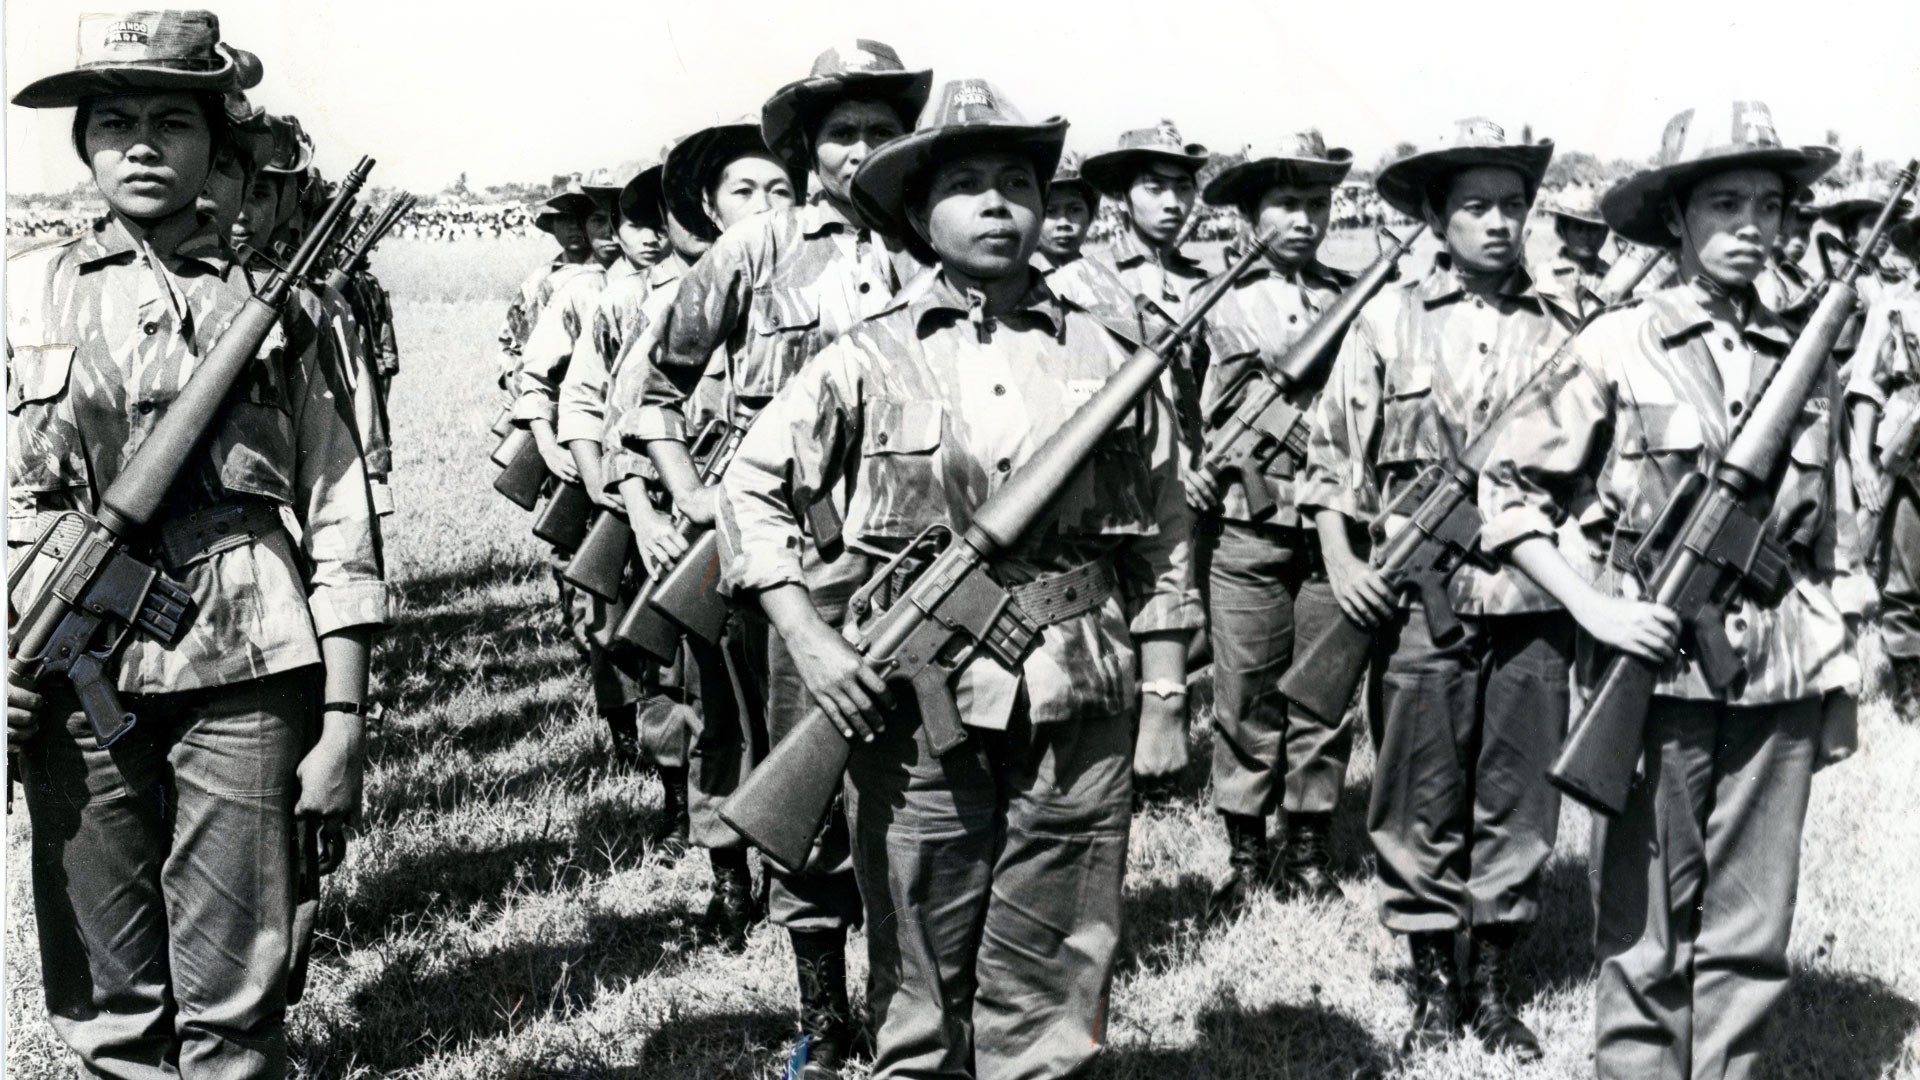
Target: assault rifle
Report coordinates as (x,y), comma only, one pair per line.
(350,255)
(1442,533)
(1255,422)
(98,593)
(523,472)
(1709,543)
(953,610)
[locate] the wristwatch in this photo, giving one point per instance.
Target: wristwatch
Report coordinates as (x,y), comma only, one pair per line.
(1166,688)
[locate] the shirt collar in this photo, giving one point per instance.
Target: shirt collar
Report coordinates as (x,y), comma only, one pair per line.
(1130,250)
(940,295)
(1443,284)
(1678,314)
(667,269)
(821,216)
(109,239)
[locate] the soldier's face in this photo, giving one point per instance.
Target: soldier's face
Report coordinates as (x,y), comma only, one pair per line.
(1159,200)
(1863,231)
(268,205)
(571,233)
(1582,238)
(1299,216)
(748,186)
(642,245)
(150,153)
(982,213)
(1798,231)
(1486,207)
(1064,229)
(853,130)
(600,233)
(1728,225)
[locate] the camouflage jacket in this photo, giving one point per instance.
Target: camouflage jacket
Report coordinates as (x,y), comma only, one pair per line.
(1569,285)
(101,341)
(562,330)
(1169,281)
(1426,368)
(617,318)
(528,301)
(1889,372)
(922,413)
(1655,389)
(1251,329)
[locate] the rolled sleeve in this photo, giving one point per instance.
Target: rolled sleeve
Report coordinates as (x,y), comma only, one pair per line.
(333,504)
(1346,421)
(546,356)
(710,303)
(582,405)
(1867,377)
(1541,455)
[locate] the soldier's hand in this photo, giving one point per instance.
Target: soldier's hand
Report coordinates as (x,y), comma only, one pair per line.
(701,506)
(1160,750)
(1362,593)
(559,461)
(23,715)
(846,689)
(1648,631)
(609,499)
(660,544)
(1869,484)
(330,776)
(1203,490)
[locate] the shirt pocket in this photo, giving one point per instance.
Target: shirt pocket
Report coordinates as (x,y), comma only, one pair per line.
(899,471)
(257,446)
(1408,433)
(45,450)
(1660,443)
(1802,508)
(1109,496)
(785,329)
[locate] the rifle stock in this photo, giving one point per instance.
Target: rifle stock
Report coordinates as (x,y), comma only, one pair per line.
(562,519)
(525,473)
(601,561)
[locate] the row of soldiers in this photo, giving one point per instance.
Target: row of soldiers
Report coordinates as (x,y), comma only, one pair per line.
(824,329)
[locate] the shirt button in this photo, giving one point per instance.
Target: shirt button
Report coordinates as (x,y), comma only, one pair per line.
(1726,343)
(881,438)
(866,286)
(1003,465)
(1479,303)
(1293,318)
(1735,408)
(1740,626)
(1483,407)
(998,390)
(1483,348)
(144,407)
(151,329)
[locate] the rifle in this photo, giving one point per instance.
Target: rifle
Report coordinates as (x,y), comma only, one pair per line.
(1255,422)
(523,472)
(1707,543)
(562,519)
(600,562)
(351,256)
(953,610)
(1442,533)
(645,626)
(98,593)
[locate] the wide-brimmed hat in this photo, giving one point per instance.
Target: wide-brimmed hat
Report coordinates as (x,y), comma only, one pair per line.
(1857,198)
(146,51)
(279,144)
(1474,142)
(1301,160)
(966,116)
(860,69)
(1067,177)
(580,198)
(697,159)
(1578,202)
(1112,170)
(1698,143)
(642,201)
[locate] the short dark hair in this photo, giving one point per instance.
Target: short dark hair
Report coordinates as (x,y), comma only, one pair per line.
(212,107)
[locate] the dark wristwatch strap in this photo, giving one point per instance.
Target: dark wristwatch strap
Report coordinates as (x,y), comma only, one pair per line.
(351,708)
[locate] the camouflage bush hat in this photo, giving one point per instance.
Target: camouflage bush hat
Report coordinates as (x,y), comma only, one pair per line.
(1066,177)
(966,116)
(279,144)
(858,69)
(146,52)
(695,163)
(1474,142)
(1698,143)
(1112,170)
(581,197)
(1860,198)
(1578,202)
(1300,160)
(641,199)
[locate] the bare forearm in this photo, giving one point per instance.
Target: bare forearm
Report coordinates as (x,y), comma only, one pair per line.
(1335,541)
(675,466)
(344,655)
(1540,559)
(586,457)
(1163,656)
(1865,422)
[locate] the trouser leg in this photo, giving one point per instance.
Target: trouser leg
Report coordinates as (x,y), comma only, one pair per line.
(1251,581)
(1763,779)
(229,878)
(1651,869)
(728,741)
(1900,591)
(1516,813)
(1317,750)
(99,837)
(1052,926)
(925,830)
(1420,812)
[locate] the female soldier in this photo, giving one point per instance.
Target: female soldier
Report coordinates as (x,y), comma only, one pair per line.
(993,874)
(163,867)
(1696,877)
(769,296)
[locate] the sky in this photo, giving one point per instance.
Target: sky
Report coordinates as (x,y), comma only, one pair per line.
(521,92)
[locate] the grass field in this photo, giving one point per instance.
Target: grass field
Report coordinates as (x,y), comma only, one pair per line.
(499,914)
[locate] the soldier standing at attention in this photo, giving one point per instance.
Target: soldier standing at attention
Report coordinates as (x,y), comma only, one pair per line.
(563,217)
(1573,276)
(1461,815)
(993,874)
(1071,203)
(1697,875)
(163,868)
(1262,582)
(769,296)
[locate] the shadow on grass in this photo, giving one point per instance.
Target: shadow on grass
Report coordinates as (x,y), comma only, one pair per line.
(1161,924)
(1278,1040)
(1841,1026)
(435,589)
(724,1046)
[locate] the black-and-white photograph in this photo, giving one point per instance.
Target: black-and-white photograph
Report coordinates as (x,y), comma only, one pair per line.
(905,541)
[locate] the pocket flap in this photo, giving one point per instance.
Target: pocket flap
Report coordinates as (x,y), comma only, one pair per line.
(38,373)
(1662,429)
(1409,382)
(784,310)
(902,427)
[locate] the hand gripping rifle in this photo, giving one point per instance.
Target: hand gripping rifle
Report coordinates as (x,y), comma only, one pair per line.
(1708,543)
(99,592)
(953,610)
(1442,532)
(1255,422)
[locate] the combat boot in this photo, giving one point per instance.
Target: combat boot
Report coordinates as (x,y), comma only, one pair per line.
(1306,864)
(828,1032)
(1248,863)
(623,731)
(669,836)
(1436,1010)
(1491,1015)
(730,913)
